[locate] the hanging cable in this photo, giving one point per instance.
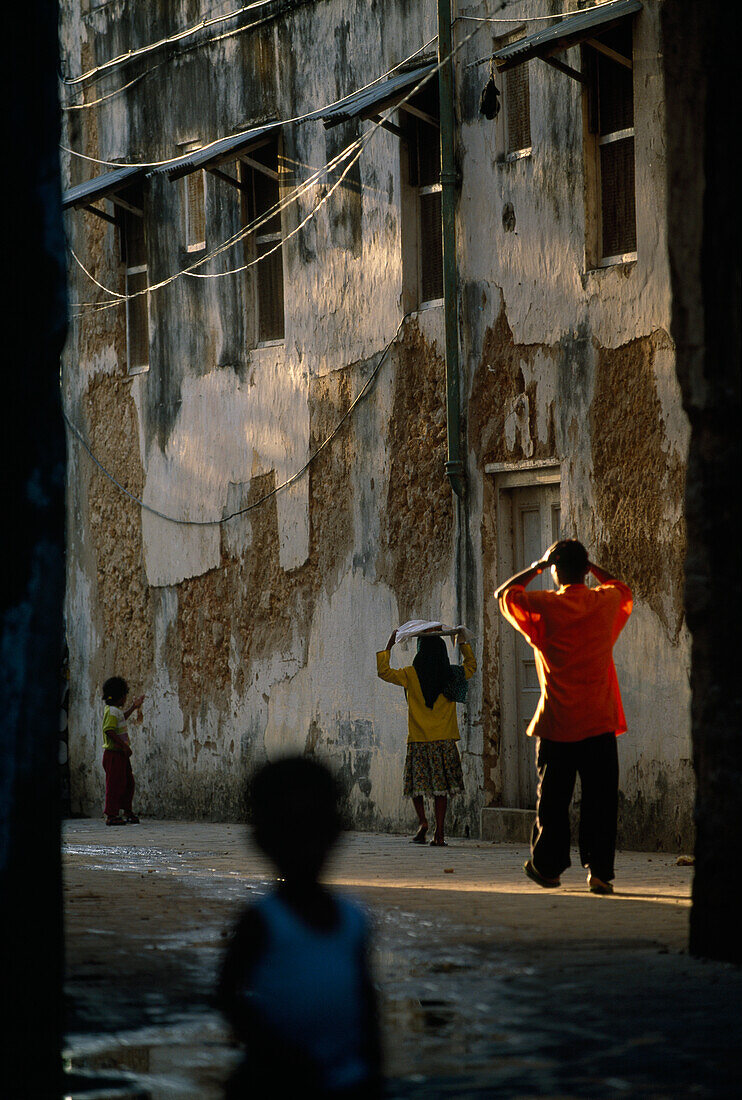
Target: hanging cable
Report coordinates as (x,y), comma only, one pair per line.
(243,232)
(180,36)
(528,18)
(187,32)
(300,118)
(98,308)
(266,496)
(361,142)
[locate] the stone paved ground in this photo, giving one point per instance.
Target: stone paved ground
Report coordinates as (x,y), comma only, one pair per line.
(490,987)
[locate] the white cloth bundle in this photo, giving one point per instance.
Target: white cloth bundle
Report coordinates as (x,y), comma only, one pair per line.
(413,628)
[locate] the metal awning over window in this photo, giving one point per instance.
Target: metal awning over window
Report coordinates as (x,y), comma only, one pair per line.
(581,27)
(219,152)
(370,102)
(106,186)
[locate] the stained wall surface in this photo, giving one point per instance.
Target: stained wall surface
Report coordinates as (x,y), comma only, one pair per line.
(256,635)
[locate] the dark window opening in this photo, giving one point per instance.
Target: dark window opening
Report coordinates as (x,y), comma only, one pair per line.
(134,255)
(260,180)
(423,136)
(611,115)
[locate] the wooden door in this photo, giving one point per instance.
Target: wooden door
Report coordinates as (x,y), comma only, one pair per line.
(534,525)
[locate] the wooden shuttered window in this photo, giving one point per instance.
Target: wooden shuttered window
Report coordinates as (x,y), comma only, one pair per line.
(517,109)
(431,246)
(137,321)
(617,197)
(134,248)
(267,275)
(425,177)
(194,186)
(613,115)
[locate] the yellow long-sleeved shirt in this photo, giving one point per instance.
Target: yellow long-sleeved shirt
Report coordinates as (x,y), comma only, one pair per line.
(424,723)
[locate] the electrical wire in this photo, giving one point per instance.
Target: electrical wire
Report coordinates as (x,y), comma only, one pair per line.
(243,232)
(109,95)
(359,144)
(266,496)
(300,118)
(89,274)
(364,139)
(521,20)
(528,18)
(131,55)
(187,32)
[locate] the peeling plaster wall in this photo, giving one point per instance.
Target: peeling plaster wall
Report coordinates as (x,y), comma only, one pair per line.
(576,365)
(257,635)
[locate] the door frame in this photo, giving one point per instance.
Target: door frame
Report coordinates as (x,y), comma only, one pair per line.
(528,474)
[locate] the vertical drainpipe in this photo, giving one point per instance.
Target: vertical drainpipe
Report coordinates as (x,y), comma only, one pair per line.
(454,465)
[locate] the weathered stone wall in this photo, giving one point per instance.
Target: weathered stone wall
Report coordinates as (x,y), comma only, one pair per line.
(257,635)
(575,365)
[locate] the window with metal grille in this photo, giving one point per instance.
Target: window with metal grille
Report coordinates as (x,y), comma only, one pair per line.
(517,109)
(612,116)
(260,181)
(134,247)
(431,244)
(137,320)
(194,202)
(424,152)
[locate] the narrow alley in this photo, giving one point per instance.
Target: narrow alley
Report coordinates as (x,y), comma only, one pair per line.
(483,977)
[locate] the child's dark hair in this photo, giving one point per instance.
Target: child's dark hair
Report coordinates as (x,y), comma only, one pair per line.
(571,561)
(114,689)
(295,786)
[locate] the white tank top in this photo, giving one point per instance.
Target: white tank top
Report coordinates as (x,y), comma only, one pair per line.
(308,986)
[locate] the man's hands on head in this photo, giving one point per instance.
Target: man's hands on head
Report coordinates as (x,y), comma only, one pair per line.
(548,558)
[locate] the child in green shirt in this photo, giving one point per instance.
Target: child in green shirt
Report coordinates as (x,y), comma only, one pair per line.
(117,752)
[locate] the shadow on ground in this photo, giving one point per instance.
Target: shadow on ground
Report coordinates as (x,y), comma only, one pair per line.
(511,993)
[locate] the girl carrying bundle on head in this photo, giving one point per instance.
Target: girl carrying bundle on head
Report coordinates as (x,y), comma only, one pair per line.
(433,765)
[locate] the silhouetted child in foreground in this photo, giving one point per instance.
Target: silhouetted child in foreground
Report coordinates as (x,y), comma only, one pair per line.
(295,982)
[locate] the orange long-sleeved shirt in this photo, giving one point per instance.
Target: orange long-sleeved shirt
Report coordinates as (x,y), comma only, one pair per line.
(436,723)
(573,631)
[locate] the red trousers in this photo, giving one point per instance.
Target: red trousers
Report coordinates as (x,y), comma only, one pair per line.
(119,782)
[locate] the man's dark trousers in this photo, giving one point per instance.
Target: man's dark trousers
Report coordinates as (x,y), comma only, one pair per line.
(595,760)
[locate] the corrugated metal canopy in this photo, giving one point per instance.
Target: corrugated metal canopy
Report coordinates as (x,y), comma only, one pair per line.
(84,194)
(218,152)
(370,101)
(568,32)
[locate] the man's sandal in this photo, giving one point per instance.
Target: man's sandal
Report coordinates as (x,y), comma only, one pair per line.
(597,886)
(541,880)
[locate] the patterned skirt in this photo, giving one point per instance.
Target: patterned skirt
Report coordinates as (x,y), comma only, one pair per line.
(432,767)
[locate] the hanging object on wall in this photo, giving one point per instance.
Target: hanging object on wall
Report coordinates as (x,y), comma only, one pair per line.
(489,102)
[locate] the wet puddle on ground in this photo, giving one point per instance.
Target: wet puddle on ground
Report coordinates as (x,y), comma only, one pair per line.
(176,1061)
(437,1009)
(459,1017)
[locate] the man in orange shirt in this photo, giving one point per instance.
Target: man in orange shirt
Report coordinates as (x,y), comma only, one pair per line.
(572,632)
